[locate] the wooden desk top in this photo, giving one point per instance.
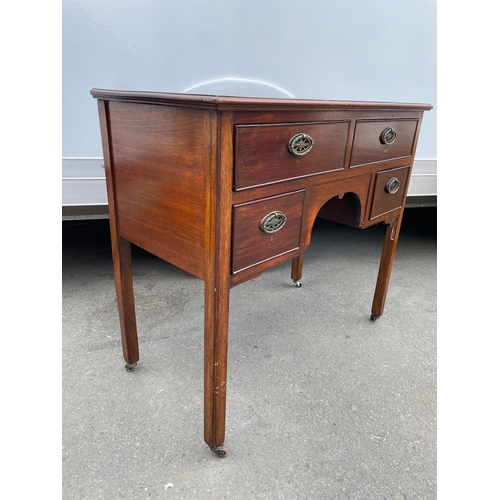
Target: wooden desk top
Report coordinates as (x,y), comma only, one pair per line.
(253,103)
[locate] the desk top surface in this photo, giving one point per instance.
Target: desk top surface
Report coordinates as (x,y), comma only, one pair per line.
(253,103)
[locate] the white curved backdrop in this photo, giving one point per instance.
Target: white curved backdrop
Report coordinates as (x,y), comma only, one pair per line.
(321,49)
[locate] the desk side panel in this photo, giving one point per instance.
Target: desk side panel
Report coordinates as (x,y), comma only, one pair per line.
(160,156)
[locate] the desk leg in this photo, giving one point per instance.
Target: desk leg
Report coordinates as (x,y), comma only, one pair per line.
(216,330)
(384,272)
(297,264)
(122,263)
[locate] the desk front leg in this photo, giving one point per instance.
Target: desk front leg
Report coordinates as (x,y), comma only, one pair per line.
(386,261)
(216,342)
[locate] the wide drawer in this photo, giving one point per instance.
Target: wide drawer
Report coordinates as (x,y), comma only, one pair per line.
(266,228)
(263,154)
(389,191)
(382,140)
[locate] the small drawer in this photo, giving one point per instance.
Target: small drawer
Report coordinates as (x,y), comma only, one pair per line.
(389,191)
(380,140)
(266,228)
(265,154)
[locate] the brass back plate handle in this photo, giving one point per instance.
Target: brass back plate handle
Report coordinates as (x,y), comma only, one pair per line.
(300,144)
(388,136)
(392,185)
(273,222)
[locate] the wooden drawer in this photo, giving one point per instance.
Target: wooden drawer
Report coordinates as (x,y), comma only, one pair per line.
(384,199)
(251,243)
(374,141)
(262,154)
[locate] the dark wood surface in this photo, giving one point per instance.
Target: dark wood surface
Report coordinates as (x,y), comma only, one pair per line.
(190,179)
(262,155)
(250,245)
(368,149)
(247,103)
(384,202)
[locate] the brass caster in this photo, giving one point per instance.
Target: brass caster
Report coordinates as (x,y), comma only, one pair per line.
(221,451)
(130,368)
(374,317)
(297,283)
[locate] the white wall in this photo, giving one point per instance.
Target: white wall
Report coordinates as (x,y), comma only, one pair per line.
(321,49)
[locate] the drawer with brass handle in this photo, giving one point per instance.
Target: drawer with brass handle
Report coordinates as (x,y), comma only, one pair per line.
(265,154)
(389,190)
(266,228)
(380,140)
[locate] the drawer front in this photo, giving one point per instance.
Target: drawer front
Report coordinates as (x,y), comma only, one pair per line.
(263,154)
(390,187)
(382,140)
(266,228)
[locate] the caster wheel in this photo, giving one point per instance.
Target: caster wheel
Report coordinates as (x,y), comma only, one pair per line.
(129,368)
(373,317)
(221,451)
(297,283)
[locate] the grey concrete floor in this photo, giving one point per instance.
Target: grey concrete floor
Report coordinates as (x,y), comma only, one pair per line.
(322,402)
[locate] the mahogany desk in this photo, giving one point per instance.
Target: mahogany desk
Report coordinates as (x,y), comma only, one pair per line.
(226,187)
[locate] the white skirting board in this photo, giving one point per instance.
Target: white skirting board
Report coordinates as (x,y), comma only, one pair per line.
(84,187)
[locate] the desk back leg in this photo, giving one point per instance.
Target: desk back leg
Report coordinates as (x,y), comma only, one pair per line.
(122,259)
(122,263)
(386,261)
(297,264)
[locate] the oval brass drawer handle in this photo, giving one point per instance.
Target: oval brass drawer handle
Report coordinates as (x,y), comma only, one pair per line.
(300,144)
(388,136)
(273,222)
(392,185)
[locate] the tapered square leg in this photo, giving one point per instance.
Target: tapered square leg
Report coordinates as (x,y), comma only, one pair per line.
(385,268)
(122,259)
(296,275)
(215,373)
(122,264)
